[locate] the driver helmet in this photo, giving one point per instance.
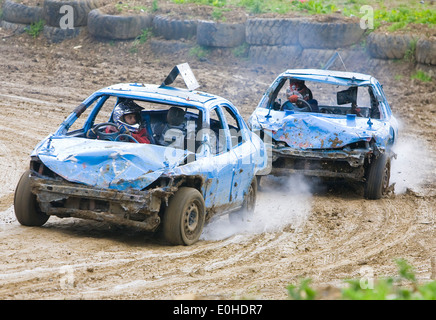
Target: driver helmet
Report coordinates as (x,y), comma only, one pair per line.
(295,84)
(294,91)
(127,107)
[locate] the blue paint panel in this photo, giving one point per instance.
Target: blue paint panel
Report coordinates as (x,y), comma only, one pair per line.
(113,165)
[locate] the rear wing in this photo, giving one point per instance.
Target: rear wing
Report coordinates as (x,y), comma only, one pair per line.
(332,60)
(185,71)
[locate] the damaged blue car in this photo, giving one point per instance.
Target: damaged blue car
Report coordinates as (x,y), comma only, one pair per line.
(328,124)
(153,157)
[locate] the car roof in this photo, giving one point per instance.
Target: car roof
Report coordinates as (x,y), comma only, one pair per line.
(162,94)
(331,73)
(328,73)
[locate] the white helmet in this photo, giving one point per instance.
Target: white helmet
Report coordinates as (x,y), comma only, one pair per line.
(127,107)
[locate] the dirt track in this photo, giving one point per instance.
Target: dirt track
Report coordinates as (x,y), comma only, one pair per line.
(301,229)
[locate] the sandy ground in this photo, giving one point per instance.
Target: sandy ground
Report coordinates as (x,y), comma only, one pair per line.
(301,229)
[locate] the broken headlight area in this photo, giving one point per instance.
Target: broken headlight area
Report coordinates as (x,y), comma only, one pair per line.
(134,208)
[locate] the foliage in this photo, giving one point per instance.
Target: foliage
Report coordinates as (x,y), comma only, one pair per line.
(120,7)
(35,28)
(141,39)
(399,17)
(217,14)
(405,15)
(421,76)
(315,6)
(241,51)
(144,36)
(302,292)
(199,52)
(391,288)
(409,55)
(214,3)
(154,6)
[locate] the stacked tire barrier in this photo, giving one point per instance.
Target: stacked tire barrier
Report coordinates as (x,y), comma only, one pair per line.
(116,27)
(18,17)
(293,42)
(302,42)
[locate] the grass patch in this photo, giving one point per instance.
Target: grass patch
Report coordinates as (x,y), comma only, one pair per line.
(241,51)
(409,55)
(199,52)
(121,7)
(214,3)
(402,287)
(35,28)
(421,76)
(154,6)
(397,13)
(141,39)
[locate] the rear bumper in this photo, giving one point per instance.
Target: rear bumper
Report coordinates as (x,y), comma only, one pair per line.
(129,208)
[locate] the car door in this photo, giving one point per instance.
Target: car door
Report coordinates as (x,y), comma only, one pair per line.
(243,149)
(221,161)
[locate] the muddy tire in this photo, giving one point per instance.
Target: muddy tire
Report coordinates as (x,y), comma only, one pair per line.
(26,207)
(81,9)
(248,206)
(282,56)
(329,35)
(56,35)
(15,28)
(273,32)
(173,29)
(184,217)
(227,35)
(377,179)
(117,27)
(388,46)
(426,52)
(20,13)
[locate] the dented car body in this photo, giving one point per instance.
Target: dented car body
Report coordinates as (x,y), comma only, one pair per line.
(345,129)
(201,166)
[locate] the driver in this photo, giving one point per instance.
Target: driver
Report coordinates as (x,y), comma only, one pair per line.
(298,90)
(127,117)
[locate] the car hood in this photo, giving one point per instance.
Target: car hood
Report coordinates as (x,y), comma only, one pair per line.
(320,131)
(106,164)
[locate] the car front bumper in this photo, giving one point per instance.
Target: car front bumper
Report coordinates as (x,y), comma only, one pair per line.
(128,208)
(347,164)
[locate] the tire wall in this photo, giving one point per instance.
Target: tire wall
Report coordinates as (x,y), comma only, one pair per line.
(81,9)
(20,14)
(294,42)
(17,17)
(117,27)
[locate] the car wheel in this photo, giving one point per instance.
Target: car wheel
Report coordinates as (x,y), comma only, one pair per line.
(26,207)
(378,176)
(248,206)
(184,217)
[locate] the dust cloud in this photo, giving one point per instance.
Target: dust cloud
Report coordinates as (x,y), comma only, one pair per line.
(283,202)
(412,166)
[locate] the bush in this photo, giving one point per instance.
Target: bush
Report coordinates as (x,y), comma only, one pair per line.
(421,76)
(35,28)
(391,288)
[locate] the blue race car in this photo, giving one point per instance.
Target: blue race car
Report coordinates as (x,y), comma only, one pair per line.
(328,124)
(186,156)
